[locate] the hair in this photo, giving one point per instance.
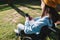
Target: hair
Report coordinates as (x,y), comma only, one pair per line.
(53,14)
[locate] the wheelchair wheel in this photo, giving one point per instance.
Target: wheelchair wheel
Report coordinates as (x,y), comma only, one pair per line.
(27,38)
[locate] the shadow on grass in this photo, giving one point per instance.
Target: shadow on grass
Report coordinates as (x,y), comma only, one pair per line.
(4,7)
(29,6)
(17,9)
(23,3)
(27,3)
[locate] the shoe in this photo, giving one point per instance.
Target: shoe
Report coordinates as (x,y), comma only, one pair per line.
(16,31)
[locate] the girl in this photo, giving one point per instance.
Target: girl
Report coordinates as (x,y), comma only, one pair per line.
(35,25)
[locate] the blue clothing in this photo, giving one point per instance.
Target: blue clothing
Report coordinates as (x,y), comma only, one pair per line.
(35,27)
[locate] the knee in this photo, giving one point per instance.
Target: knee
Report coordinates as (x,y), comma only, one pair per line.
(20,26)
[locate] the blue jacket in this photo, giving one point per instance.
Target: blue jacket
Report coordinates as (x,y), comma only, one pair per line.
(34,26)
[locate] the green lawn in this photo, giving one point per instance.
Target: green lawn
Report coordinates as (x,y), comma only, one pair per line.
(9,19)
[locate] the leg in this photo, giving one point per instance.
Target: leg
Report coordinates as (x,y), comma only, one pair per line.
(19,28)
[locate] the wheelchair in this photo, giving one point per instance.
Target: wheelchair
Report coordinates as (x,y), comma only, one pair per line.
(44,32)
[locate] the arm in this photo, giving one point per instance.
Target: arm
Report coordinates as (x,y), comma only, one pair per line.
(28,17)
(43,8)
(41,22)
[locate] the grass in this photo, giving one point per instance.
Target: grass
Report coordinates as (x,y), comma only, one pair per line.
(9,19)
(6,7)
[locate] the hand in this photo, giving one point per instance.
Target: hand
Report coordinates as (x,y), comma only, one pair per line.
(30,18)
